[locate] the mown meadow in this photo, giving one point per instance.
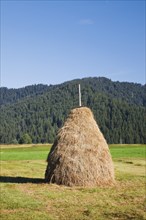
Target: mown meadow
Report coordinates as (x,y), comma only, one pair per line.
(25,195)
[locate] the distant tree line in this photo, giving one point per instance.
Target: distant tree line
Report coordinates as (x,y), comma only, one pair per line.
(35,113)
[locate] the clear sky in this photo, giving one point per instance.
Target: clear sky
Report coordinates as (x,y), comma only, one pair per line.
(51,42)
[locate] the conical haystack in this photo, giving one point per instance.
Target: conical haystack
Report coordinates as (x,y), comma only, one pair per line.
(80,155)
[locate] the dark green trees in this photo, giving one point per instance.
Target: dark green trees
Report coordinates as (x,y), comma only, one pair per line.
(39,111)
(25,139)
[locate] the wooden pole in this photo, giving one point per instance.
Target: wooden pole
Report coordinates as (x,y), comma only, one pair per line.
(80,104)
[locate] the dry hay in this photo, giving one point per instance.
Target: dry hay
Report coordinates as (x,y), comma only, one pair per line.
(80,155)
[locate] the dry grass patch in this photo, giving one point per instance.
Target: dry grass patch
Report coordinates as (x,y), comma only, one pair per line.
(24,196)
(39,201)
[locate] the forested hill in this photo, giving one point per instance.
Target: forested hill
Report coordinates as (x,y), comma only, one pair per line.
(130,92)
(39,110)
(14,95)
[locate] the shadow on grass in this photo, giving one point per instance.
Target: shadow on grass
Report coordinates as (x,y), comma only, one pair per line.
(19,179)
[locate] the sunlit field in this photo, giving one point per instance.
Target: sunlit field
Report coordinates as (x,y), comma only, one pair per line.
(25,195)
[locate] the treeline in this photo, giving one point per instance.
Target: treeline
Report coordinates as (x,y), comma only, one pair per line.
(38,111)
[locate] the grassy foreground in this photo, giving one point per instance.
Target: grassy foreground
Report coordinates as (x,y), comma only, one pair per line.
(24,195)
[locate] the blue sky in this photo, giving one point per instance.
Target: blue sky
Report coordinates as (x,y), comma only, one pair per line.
(51,42)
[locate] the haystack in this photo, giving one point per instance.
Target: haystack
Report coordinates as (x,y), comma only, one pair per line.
(80,155)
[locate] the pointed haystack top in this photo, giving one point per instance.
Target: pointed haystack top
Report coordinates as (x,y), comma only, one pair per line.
(80,155)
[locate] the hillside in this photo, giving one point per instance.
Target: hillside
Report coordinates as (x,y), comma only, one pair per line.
(39,110)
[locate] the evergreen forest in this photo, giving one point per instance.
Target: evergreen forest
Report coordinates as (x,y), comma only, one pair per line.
(34,114)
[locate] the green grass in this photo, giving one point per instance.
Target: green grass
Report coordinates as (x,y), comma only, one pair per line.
(24,195)
(40,152)
(128,151)
(35,152)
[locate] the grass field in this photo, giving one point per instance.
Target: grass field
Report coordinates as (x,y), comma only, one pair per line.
(24,195)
